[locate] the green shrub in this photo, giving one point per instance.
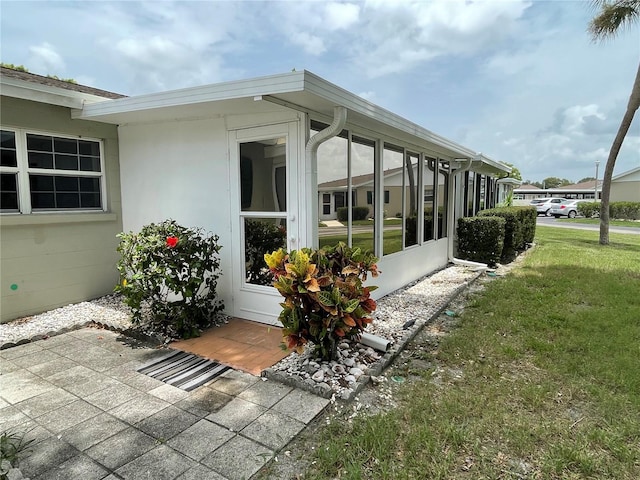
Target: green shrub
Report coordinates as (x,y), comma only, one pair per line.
(410,227)
(514,240)
(589,209)
(325,300)
(172,271)
(261,236)
(528,218)
(481,239)
(13,447)
(358,213)
(624,210)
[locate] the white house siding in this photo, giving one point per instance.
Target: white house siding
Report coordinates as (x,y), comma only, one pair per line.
(626,187)
(59,258)
(180,170)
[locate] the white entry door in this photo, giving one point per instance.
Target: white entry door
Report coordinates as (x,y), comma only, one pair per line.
(264,192)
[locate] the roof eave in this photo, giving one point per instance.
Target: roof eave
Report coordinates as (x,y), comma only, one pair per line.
(11,87)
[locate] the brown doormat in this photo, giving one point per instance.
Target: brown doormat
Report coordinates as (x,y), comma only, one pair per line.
(241,344)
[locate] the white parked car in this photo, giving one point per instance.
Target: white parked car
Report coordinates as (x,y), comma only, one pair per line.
(544,205)
(566,209)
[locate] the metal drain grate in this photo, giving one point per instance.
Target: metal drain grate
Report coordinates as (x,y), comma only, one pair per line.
(184,370)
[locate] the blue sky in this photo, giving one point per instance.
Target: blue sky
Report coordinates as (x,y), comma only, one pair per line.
(517,80)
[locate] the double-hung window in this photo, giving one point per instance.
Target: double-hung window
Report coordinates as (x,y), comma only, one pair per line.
(42,172)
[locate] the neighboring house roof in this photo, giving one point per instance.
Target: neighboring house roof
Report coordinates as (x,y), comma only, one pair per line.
(299,90)
(358,180)
(54,82)
(628,173)
(36,88)
(581,186)
(528,186)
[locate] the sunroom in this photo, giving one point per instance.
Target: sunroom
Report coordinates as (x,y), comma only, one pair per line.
(253,161)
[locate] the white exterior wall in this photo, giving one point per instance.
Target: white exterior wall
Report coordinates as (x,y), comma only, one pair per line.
(180,170)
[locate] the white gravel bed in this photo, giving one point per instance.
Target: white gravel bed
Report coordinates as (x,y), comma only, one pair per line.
(399,316)
(108,310)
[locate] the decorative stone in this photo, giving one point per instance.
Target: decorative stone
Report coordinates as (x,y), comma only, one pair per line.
(349,362)
(318,376)
(343,346)
(350,379)
(338,369)
(356,372)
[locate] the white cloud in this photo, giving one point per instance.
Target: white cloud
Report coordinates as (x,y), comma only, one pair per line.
(341,15)
(45,60)
(400,35)
(310,43)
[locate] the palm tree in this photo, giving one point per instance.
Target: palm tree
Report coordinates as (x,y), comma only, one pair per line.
(612,15)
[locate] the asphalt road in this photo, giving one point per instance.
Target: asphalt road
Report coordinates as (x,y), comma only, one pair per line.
(554,222)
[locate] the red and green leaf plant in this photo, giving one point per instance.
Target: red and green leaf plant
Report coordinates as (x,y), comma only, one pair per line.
(169,276)
(326,300)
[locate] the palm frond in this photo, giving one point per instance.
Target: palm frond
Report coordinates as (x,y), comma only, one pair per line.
(612,17)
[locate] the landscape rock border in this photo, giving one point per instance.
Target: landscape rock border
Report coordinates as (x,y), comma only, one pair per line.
(376,368)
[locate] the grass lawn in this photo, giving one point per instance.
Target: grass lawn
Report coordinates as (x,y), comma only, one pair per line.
(544,382)
(392,240)
(596,221)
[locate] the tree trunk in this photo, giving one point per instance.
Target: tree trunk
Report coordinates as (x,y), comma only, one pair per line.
(632,106)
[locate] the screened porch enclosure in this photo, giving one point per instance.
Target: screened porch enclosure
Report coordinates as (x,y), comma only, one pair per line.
(389,197)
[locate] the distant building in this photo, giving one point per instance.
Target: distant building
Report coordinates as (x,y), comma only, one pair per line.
(626,186)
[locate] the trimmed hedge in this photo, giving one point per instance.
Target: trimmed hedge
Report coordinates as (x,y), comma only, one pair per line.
(481,239)
(528,217)
(617,210)
(624,210)
(513,231)
(358,213)
(589,209)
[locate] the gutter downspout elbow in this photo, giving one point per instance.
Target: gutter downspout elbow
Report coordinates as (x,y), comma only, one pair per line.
(339,120)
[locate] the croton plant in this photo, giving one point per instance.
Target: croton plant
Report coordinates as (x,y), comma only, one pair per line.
(325,296)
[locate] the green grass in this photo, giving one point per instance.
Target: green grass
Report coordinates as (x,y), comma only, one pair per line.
(596,221)
(550,385)
(392,240)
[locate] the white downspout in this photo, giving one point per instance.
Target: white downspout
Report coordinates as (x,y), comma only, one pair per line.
(311,154)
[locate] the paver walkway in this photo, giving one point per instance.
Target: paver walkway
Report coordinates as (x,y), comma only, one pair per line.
(93,416)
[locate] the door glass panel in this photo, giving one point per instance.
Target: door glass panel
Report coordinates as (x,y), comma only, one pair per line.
(428,197)
(332,174)
(392,164)
(261,235)
(263,176)
(470,193)
(411,199)
(363,179)
(443,198)
(263,188)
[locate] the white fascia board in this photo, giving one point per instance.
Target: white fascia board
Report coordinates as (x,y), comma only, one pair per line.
(624,174)
(509,180)
(288,82)
(12,87)
(340,96)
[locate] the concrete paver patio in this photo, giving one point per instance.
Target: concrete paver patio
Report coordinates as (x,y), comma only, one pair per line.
(93,416)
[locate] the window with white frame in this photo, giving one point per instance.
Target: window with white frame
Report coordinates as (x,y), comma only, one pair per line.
(42,172)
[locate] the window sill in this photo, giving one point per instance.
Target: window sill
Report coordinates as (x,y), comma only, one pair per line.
(55,218)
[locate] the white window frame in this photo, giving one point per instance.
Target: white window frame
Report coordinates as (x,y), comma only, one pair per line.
(23,170)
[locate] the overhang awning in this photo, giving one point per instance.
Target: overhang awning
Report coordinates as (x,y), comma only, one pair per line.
(302,91)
